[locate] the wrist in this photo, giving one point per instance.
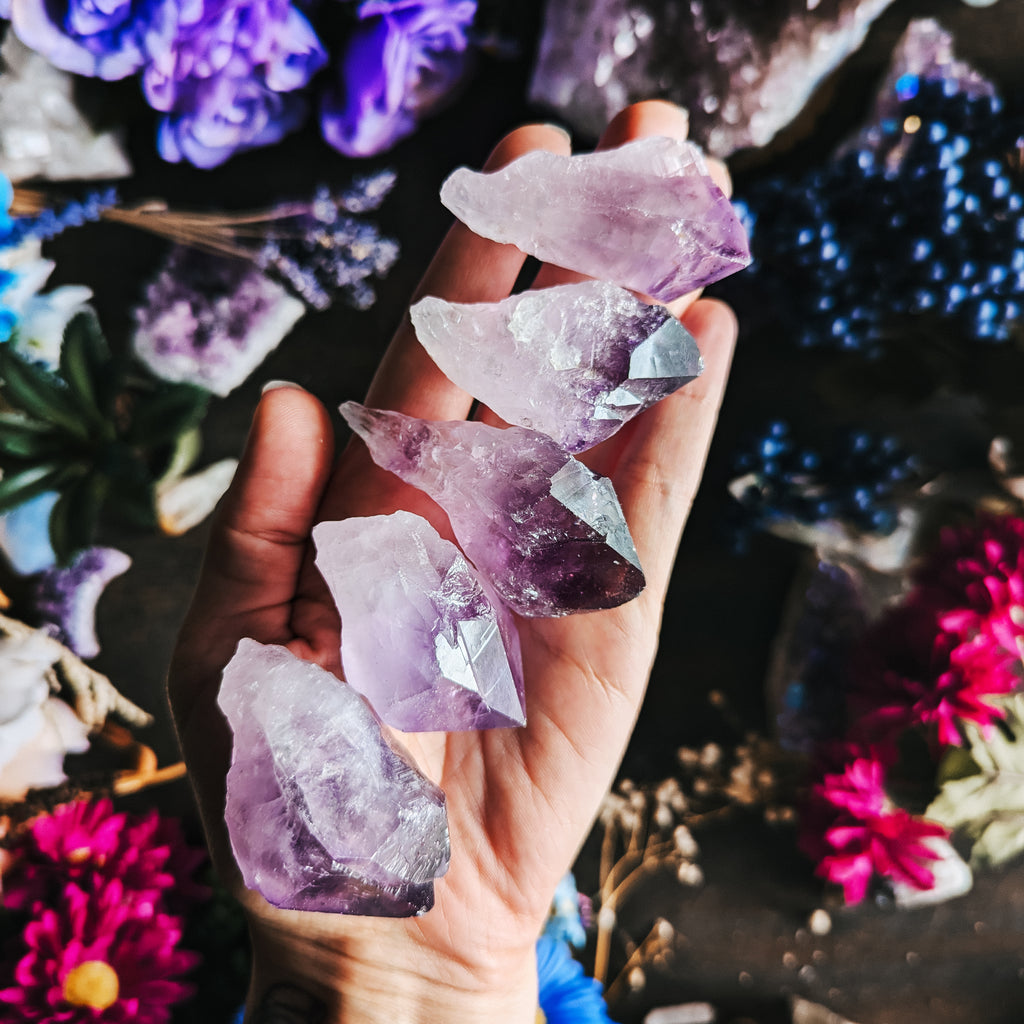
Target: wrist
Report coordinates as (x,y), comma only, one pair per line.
(378,973)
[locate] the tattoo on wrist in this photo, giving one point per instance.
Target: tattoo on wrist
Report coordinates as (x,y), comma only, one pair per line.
(286,1004)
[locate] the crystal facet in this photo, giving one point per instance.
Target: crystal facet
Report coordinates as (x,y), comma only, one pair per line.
(424,638)
(646,215)
(574,362)
(547,533)
(323,812)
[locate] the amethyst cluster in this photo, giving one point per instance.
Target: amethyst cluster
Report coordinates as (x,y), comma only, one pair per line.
(230,75)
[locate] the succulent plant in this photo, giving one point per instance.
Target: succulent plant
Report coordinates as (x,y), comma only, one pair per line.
(97,431)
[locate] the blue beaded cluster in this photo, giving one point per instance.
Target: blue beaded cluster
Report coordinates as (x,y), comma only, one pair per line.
(925,215)
(856,479)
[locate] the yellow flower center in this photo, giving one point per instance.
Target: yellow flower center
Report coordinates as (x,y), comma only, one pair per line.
(78,856)
(92,983)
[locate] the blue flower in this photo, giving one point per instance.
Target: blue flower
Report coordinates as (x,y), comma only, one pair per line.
(565,923)
(567,995)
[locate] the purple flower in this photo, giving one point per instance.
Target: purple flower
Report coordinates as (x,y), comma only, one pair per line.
(265,39)
(100,38)
(403,59)
(229,115)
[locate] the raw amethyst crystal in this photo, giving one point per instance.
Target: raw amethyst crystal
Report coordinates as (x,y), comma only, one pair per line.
(424,639)
(323,812)
(547,533)
(646,215)
(743,70)
(593,354)
(66,597)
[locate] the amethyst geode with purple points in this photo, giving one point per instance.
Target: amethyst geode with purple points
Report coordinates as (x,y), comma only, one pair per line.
(423,638)
(594,356)
(647,216)
(324,813)
(547,533)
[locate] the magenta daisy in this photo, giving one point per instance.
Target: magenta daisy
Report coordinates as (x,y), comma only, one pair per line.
(976,578)
(87,843)
(867,835)
(911,672)
(99,957)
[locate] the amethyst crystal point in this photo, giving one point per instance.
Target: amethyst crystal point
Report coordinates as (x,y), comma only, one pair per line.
(424,639)
(646,215)
(547,533)
(594,355)
(323,812)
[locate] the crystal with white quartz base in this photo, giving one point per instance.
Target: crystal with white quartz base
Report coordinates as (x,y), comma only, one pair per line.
(546,532)
(574,362)
(646,215)
(323,812)
(423,637)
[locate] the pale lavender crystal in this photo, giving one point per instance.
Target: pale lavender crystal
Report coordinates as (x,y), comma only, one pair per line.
(646,215)
(323,812)
(574,362)
(423,637)
(547,533)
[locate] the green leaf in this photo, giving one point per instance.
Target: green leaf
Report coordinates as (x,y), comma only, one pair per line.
(85,363)
(17,488)
(987,802)
(22,438)
(75,515)
(162,417)
(39,393)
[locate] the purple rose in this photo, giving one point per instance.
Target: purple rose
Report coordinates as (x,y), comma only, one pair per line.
(228,115)
(402,60)
(99,38)
(241,38)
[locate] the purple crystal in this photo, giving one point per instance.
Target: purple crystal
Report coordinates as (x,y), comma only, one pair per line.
(424,639)
(66,597)
(323,812)
(594,355)
(646,215)
(547,533)
(743,70)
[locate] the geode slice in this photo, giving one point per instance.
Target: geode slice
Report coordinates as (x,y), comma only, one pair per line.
(323,812)
(646,215)
(547,533)
(424,639)
(574,362)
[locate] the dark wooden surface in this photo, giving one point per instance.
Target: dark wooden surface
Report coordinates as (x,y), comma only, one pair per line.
(961,962)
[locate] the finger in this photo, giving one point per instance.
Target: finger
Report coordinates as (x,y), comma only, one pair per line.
(258,540)
(661,453)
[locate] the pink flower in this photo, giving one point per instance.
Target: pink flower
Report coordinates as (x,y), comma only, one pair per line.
(976,579)
(912,672)
(855,833)
(99,957)
(87,844)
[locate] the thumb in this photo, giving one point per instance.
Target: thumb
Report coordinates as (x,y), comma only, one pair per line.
(258,541)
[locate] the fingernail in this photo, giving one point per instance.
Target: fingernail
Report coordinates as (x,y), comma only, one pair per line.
(286,1004)
(273,385)
(564,132)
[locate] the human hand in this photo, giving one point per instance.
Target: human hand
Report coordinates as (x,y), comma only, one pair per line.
(520,801)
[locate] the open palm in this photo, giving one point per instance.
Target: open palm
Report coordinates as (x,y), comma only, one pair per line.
(519,800)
